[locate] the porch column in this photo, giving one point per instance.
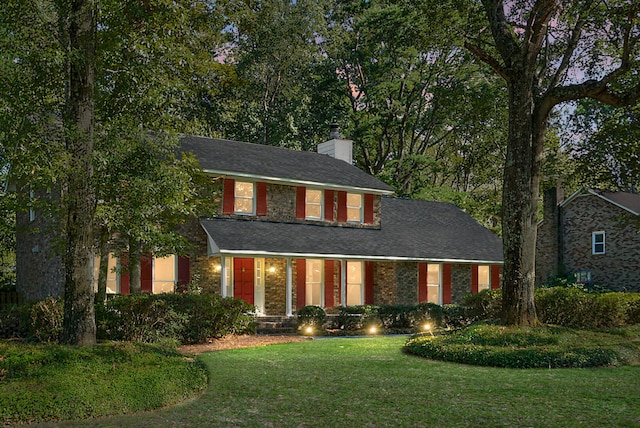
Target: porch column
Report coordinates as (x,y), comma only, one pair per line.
(289,288)
(223,276)
(343,282)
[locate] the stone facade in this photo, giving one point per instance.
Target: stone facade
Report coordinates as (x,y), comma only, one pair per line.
(407,283)
(460,282)
(617,269)
(385,289)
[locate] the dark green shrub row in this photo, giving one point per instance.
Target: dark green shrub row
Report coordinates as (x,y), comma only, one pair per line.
(312,317)
(186,318)
(497,346)
(565,306)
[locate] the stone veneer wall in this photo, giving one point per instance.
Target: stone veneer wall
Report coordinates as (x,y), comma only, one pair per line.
(547,249)
(460,282)
(385,290)
(407,283)
(619,268)
(275,285)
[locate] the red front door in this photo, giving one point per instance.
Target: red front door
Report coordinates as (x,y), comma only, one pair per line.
(243,279)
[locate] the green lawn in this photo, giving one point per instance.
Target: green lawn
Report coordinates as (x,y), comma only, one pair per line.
(370,382)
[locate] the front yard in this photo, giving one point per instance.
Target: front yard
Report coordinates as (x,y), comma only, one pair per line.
(370,382)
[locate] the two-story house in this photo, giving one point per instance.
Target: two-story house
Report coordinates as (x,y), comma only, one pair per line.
(298,228)
(592,234)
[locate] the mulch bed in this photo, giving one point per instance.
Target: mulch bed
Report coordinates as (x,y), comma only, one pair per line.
(243,341)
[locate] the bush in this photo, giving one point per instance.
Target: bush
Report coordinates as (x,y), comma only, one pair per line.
(40,321)
(485,305)
(427,313)
(497,346)
(353,318)
(311,316)
(572,307)
(454,316)
(187,318)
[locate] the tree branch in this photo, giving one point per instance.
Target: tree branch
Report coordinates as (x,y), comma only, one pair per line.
(488,59)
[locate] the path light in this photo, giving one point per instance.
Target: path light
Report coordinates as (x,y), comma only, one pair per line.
(373,329)
(427,328)
(308,330)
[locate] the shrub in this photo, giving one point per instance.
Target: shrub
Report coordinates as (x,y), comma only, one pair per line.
(45,319)
(427,312)
(483,306)
(188,318)
(454,316)
(14,322)
(396,316)
(311,316)
(492,345)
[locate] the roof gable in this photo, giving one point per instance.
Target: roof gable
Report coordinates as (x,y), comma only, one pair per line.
(625,200)
(278,164)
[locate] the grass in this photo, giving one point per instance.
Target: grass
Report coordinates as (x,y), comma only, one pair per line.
(52,382)
(370,382)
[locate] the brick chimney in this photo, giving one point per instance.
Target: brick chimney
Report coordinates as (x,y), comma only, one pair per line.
(337,147)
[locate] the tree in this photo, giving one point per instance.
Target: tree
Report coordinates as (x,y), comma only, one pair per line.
(78,24)
(548,52)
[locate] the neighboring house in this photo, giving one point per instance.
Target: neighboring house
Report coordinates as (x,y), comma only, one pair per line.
(297,228)
(593,234)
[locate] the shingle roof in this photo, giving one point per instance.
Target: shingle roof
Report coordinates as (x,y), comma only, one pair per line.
(410,229)
(626,200)
(225,156)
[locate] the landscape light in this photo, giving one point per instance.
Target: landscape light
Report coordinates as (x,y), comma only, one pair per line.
(309,330)
(373,329)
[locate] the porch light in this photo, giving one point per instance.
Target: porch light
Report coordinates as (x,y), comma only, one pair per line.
(272,269)
(218,268)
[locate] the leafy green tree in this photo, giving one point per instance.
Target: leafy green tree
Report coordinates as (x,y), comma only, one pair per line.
(547,52)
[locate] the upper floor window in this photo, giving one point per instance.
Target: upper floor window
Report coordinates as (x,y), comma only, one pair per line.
(597,243)
(313,204)
(243,197)
(354,207)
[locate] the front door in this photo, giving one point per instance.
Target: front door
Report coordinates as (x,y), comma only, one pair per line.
(243,276)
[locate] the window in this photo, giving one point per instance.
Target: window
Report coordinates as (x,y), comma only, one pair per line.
(243,198)
(112,274)
(433,283)
(165,272)
(313,204)
(313,292)
(354,207)
(583,277)
(355,288)
(32,211)
(484,281)
(597,243)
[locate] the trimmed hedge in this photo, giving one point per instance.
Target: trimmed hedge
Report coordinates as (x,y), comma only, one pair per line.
(511,347)
(150,318)
(310,316)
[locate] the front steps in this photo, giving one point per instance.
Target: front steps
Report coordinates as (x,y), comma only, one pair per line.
(275,325)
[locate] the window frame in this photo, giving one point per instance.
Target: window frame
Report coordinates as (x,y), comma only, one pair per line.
(595,243)
(353,207)
(307,204)
(309,284)
(236,197)
(361,284)
(438,285)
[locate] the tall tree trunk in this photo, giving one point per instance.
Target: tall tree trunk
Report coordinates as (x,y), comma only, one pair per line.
(101,295)
(519,202)
(78,326)
(135,250)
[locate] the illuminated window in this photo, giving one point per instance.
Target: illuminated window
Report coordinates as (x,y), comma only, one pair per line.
(314,272)
(112,274)
(597,243)
(355,288)
(164,274)
(313,204)
(484,282)
(433,283)
(354,207)
(243,198)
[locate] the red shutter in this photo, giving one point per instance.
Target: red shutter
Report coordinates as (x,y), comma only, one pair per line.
(446,283)
(261,202)
(125,279)
(339,276)
(495,277)
(301,194)
(329,283)
(368,283)
(301,282)
(146,274)
(184,272)
(422,282)
(328,205)
(342,206)
(228,195)
(474,279)
(368,208)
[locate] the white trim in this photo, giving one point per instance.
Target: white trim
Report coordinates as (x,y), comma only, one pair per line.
(278,180)
(247,253)
(603,243)
(289,288)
